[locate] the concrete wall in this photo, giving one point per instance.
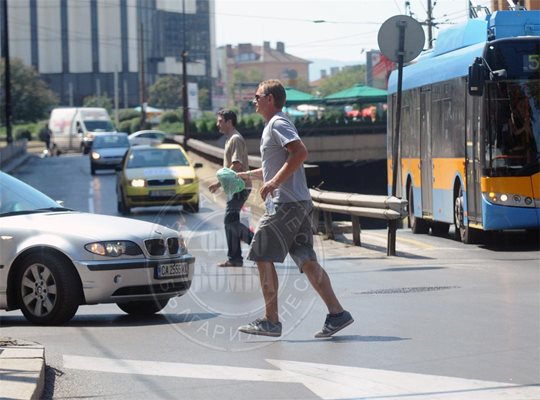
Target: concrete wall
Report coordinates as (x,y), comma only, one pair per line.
(338,148)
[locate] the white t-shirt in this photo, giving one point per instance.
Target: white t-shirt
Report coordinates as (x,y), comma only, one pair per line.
(277,133)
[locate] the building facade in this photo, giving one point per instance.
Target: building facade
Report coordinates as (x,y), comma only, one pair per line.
(242,67)
(113,47)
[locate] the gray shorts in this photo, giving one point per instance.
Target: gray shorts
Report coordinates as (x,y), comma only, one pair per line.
(289,230)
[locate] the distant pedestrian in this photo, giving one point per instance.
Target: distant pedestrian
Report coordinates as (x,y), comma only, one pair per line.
(45,136)
(286,227)
(235,157)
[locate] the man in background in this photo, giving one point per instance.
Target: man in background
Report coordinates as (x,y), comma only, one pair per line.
(235,157)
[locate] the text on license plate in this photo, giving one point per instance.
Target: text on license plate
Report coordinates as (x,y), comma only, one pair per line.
(162,193)
(172,270)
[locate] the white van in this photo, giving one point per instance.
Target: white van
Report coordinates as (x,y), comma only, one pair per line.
(72,128)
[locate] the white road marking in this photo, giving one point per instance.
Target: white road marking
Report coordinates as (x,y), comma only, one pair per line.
(328,382)
(91,198)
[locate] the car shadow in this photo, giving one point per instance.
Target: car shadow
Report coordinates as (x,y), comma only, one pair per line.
(117,320)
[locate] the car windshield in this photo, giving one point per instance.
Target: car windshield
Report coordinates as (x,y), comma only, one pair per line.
(156,158)
(96,126)
(16,197)
(153,135)
(110,141)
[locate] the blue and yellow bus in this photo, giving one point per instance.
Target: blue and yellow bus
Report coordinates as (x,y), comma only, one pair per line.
(469,142)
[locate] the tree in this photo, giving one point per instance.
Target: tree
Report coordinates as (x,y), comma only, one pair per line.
(98,101)
(344,79)
(31,98)
(166,92)
(204,99)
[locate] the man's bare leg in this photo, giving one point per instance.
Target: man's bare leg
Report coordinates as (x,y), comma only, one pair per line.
(269,285)
(321,283)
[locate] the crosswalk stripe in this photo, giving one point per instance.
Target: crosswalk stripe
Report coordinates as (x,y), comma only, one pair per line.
(328,382)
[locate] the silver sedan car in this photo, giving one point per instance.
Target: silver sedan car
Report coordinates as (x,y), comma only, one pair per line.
(53,259)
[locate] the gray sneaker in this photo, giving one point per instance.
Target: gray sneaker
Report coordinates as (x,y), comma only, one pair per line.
(334,323)
(262,327)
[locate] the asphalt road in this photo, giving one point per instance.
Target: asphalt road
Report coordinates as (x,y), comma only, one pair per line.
(441,320)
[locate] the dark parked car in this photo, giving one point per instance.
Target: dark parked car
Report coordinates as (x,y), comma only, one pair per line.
(108,149)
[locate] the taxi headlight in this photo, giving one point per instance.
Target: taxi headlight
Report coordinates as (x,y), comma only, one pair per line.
(95,156)
(185,181)
(138,183)
(114,248)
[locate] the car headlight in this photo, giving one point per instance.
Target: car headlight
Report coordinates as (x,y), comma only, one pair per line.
(182,245)
(95,156)
(185,181)
(114,248)
(138,183)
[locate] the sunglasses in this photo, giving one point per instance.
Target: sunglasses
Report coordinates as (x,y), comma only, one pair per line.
(259,96)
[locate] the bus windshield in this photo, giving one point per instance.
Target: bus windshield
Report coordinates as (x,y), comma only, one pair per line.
(512,143)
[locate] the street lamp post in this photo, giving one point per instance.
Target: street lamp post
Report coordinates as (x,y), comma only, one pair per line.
(7,75)
(185,97)
(184,79)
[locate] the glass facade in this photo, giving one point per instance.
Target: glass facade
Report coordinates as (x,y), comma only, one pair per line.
(79,46)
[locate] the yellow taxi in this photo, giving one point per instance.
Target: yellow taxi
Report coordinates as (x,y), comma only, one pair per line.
(157,175)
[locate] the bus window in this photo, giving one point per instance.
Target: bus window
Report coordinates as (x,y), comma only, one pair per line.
(513,115)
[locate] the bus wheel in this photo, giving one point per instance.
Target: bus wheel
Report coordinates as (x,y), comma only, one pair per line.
(463,232)
(417,225)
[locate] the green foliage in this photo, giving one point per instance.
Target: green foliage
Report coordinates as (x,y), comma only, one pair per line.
(135,125)
(31,99)
(128,114)
(170,117)
(99,101)
(125,126)
(201,126)
(204,99)
(23,133)
(176,128)
(344,79)
(166,92)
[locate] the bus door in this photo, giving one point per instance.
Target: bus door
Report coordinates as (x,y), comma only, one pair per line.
(473,165)
(426,167)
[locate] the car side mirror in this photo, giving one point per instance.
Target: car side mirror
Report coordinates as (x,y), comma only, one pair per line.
(477,77)
(197,165)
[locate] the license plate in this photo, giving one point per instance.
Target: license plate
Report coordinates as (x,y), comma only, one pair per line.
(162,193)
(172,270)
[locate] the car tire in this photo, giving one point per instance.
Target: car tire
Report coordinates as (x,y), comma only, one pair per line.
(48,289)
(143,307)
(121,205)
(192,207)
(92,169)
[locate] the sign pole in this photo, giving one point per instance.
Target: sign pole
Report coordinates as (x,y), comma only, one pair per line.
(392,225)
(410,41)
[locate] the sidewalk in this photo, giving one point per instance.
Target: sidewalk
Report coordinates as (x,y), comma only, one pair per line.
(22,369)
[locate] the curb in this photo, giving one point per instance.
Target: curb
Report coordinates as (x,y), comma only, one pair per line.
(22,367)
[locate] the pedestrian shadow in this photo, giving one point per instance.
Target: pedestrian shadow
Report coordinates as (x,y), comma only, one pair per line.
(344,339)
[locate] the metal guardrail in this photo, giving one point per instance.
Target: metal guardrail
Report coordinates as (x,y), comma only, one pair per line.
(217,152)
(12,151)
(356,205)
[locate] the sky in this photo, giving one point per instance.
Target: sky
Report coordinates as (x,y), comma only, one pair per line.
(349,29)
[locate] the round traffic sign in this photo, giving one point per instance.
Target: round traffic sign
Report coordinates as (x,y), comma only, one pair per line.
(388,37)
